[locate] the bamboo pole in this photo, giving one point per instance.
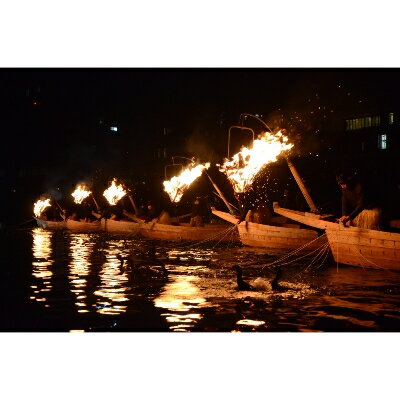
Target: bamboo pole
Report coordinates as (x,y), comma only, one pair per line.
(302,187)
(134,205)
(58,205)
(94,199)
(221,195)
(217,195)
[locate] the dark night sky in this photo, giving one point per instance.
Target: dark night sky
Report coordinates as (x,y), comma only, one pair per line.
(51,117)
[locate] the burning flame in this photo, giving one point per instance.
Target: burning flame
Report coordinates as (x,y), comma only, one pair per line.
(39,206)
(114,193)
(245,165)
(80,193)
(176,186)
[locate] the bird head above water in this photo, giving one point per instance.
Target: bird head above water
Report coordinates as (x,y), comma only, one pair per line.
(241,284)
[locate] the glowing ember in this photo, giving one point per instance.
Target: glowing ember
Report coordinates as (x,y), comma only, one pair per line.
(40,206)
(114,193)
(176,186)
(245,165)
(80,193)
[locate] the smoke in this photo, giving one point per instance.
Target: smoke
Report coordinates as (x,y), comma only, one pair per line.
(55,194)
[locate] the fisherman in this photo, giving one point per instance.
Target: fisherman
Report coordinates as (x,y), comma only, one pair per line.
(116,212)
(48,214)
(200,212)
(83,212)
(150,213)
(261,214)
(244,206)
(359,208)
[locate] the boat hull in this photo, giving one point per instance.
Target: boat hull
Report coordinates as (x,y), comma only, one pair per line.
(50,225)
(267,236)
(119,226)
(76,226)
(354,246)
(157,231)
(365,248)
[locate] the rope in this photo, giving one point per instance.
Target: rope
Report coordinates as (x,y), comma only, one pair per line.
(28,221)
(296,259)
(325,248)
(297,250)
(222,234)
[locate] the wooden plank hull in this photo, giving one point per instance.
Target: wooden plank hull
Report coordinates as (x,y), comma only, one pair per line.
(119,226)
(354,246)
(76,226)
(157,231)
(50,225)
(305,218)
(365,248)
(266,236)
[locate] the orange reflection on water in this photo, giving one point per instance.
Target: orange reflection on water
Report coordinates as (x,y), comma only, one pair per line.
(79,268)
(41,249)
(112,292)
(182,298)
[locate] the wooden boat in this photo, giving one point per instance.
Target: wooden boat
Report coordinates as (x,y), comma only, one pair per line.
(50,225)
(183,231)
(352,245)
(268,236)
(119,226)
(76,226)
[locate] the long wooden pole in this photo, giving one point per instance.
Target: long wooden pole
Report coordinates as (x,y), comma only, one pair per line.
(221,195)
(97,205)
(217,195)
(58,205)
(302,187)
(134,205)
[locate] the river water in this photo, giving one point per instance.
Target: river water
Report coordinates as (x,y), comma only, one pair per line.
(58,281)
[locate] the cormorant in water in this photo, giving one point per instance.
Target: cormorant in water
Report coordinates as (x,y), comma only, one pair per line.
(258,285)
(275,282)
(135,267)
(241,284)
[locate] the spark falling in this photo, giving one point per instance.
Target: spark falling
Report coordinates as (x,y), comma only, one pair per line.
(246,164)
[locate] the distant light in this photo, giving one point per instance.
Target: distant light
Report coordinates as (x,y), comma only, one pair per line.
(114,128)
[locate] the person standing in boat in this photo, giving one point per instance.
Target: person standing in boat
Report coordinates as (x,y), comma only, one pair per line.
(199,212)
(359,207)
(151,212)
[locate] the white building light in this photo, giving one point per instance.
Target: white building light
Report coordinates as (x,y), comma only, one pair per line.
(382,141)
(114,128)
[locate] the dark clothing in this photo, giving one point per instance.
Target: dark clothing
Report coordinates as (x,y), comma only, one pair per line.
(82,211)
(52,213)
(151,214)
(200,208)
(355,198)
(115,211)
